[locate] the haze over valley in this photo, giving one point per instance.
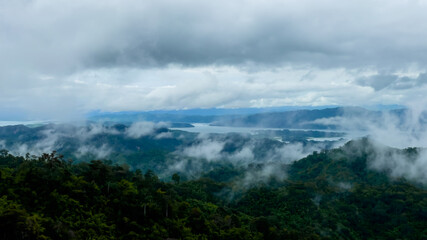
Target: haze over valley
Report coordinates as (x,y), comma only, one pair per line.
(213,120)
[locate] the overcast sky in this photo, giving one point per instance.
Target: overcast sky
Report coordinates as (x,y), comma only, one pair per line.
(61,58)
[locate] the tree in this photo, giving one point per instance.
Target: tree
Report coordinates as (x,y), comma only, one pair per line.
(176,178)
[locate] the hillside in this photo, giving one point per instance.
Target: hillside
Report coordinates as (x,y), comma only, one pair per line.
(148,145)
(333,194)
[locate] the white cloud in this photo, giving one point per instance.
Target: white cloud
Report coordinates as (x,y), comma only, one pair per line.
(399,165)
(99,152)
(140,129)
(207,149)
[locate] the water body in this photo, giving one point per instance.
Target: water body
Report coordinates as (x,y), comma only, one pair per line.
(327,139)
(206,128)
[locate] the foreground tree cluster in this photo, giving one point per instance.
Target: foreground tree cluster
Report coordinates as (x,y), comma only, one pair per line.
(326,196)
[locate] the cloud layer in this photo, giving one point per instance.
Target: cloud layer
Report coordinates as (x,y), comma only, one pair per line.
(63,58)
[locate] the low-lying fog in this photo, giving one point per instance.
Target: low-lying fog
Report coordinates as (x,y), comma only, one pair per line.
(196,149)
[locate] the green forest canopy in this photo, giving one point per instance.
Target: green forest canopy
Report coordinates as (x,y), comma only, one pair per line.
(324,197)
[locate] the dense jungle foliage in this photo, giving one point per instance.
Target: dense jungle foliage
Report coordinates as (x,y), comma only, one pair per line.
(331,194)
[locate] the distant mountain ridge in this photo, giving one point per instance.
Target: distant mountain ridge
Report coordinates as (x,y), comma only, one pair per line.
(270,118)
(304,119)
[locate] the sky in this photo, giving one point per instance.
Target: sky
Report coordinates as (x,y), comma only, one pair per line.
(61,59)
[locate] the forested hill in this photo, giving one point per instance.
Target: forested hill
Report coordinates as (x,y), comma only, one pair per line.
(335,194)
(147,145)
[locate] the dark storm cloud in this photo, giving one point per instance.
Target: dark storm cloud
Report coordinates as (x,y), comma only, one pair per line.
(156,33)
(323,33)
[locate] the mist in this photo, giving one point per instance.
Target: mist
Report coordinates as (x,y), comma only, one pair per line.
(400,129)
(140,129)
(411,163)
(260,160)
